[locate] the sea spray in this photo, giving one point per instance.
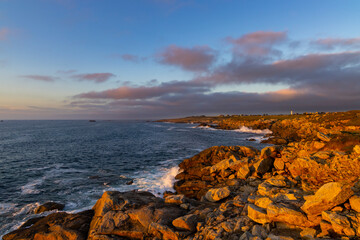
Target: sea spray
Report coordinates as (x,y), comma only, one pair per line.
(244,129)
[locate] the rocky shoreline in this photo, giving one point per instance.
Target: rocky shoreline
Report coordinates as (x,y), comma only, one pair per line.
(306,186)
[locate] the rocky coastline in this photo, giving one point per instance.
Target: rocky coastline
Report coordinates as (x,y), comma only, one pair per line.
(305,186)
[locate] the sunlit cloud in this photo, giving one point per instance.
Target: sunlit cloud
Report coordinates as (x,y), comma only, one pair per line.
(198,58)
(44,78)
(94,77)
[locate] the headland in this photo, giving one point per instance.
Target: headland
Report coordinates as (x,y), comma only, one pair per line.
(305,186)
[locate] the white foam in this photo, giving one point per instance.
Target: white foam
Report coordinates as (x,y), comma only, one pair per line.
(28,208)
(30,188)
(6,207)
(244,129)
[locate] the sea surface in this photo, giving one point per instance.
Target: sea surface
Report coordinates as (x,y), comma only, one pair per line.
(74,162)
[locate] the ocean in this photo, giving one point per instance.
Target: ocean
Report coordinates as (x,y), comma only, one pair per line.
(74,162)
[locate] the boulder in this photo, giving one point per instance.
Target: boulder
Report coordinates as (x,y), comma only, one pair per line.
(327,197)
(48,206)
(55,226)
(257,214)
(186,223)
(308,233)
(263,165)
(340,224)
(130,214)
(216,194)
(355,203)
(323,137)
(287,214)
(244,172)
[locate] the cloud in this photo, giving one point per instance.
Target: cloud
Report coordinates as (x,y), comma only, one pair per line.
(66,72)
(94,77)
(44,78)
(144,92)
(4,33)
(259,43)
(132,58)
(331,43)
(198,58)
(296,71)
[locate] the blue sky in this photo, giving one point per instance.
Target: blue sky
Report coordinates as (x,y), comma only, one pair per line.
(117,59)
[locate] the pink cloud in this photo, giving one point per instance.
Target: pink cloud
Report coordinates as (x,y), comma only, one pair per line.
(132,58)
(257,43)
(330,43)
(95,77)
(145,92)
(43,78)
(4,33)
(198,58)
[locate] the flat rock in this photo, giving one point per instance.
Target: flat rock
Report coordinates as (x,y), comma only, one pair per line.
(187,222)
(339,223)
(327,197)
(287,214)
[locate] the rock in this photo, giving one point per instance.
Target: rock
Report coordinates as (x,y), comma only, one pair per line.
(187,222)
(257,214)
(325,227)
(339,223)
(279,164)
(175,199)
(263,165)
(355,203)
(356,149)
(327,197)
(274,237)
(246,236)
(285,213)
(323,137)
(56,226)
(225,164)
(48,206)
(277,181)
(263,202)
(130,214)
(216,194)
(244,172)
(308,233)
(259,231)
(318,145)
(270,152)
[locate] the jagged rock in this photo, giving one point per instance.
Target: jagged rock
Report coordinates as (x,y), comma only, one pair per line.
(263,202)
(187,222)
(257,214)
(216,194)
(225,164)
(325,227)
(48,206)
(277,181)
(259,231)
(285,213)
(323,137)
(244,172)
(355,203)
(327,197)
(308,233)
(56,226)
(339,223)
(130,214)
(246,236)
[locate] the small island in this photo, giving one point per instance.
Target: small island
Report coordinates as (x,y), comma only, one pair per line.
(304,186)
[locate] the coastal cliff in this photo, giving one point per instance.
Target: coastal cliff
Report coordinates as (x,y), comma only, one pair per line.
(304,187)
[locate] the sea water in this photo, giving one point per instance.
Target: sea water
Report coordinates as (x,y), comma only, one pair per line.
(74,162)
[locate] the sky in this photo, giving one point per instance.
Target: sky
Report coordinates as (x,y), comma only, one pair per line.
(151,59)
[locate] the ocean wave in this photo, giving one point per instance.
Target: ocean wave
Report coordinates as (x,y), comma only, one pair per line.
(244,129)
